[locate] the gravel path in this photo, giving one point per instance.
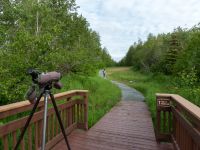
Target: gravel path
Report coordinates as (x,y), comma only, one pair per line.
(128,93)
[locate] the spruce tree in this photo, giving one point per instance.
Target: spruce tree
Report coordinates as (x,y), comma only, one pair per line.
(172,53)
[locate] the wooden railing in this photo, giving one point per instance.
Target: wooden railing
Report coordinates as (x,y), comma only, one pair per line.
(178,121)
(73,108)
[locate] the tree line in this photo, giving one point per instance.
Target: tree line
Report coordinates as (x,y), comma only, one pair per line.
(176,53)
(46,35)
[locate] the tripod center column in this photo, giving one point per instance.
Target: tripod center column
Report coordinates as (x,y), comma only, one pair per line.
(46,95)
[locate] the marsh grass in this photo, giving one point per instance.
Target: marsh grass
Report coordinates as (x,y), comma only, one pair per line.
(149,84)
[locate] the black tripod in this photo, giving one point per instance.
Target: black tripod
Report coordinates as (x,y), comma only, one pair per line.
(46,91)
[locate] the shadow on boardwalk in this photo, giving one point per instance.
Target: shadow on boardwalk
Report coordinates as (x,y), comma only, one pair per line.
(128,126)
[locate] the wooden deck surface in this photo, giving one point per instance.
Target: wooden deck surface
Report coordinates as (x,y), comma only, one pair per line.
(127,126)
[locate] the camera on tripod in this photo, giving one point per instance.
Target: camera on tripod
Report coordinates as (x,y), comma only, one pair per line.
(42,80)
(45,82)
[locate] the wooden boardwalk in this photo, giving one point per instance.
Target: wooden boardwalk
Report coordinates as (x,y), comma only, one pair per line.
(127,126)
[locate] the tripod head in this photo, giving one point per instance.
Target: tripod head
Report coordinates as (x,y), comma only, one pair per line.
(34,73)
(45,81)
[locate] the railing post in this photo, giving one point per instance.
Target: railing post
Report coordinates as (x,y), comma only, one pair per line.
(158,119)
(86,111)
(69,114)
(162,106)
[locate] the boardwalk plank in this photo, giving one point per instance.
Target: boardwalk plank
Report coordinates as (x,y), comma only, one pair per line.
(127,126)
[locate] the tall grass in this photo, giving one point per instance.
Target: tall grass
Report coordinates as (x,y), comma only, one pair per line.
(103,94)
(150,84)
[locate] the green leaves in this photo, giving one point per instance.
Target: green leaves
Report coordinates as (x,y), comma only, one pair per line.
(49,35)
(169,53)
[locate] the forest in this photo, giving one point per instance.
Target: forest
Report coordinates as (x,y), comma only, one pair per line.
(46,35)
(176,54)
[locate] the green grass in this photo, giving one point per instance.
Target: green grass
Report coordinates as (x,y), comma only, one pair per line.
(150,84)
(103,95)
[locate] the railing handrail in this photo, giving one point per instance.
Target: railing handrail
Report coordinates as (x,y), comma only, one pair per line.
(73,111)
(191,108)
(14,108)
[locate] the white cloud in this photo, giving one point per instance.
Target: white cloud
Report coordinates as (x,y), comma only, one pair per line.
(121,22)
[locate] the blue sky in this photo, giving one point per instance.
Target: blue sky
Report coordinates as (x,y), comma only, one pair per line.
(120,23)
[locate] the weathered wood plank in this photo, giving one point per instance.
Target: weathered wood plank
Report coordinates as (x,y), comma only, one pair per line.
(59,137)
(36,136)
(53,126)
(14,134)
(12,126)
(14,108)
(30,137)
(5,143)
(127,126)
(22,144)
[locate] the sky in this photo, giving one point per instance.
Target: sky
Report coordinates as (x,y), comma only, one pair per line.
(120,23)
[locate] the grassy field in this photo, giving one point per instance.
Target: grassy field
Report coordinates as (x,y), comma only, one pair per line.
(150,84)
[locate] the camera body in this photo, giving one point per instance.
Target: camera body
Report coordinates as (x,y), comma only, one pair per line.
(44,81)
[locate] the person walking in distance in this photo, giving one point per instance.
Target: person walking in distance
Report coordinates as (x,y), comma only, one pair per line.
(104,73)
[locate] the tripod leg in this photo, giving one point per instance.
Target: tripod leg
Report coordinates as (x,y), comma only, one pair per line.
(27,122)
(59,120)
(45,119)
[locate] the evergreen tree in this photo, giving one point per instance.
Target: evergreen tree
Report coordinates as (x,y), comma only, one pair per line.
(172,53)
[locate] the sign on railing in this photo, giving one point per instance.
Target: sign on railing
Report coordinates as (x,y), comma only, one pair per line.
(163,102)
(178,121)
